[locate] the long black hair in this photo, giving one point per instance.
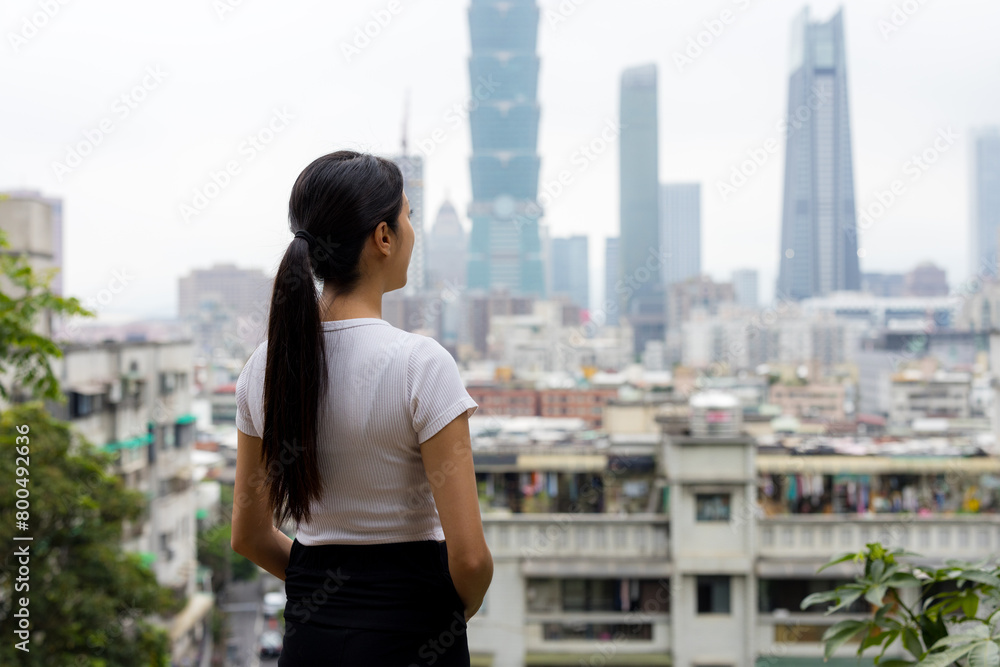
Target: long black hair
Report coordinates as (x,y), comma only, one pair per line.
(340,199)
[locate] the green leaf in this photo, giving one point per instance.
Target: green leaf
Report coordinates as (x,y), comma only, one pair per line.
(985,653)
(903,580)
(970,604)
(965,637)
(875,640)
(932,629)
(875,594)
(890,637)
(945,658)
(846,600)
(837,634)
(980,577)
(912,643)
(825,596)
(840,559)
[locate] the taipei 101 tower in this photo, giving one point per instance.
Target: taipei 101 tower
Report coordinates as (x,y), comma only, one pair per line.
(504,246)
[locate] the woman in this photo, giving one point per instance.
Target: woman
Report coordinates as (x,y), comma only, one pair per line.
(359,433)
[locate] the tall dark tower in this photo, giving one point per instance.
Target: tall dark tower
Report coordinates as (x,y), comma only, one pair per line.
(504,247)
(641,296)
(819,250)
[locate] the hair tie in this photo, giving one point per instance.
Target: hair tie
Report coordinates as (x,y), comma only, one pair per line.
(307,236)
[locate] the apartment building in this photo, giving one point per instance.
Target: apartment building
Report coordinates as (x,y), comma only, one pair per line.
(133,399)
(659,551)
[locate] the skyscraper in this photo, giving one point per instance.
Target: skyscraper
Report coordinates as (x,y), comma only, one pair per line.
(680,231)
(412,167)
(819,252)
(504,246)
(640,248)
(611,276)
(570,269)
(985,205)
(446,248)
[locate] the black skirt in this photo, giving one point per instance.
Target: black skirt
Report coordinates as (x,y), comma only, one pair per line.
(372,604)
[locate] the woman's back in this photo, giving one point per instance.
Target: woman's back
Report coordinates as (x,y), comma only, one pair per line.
(389,391)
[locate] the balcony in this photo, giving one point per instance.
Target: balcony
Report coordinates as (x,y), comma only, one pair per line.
(815,539)
(578,536)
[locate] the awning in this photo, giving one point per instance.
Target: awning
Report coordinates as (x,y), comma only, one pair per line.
(620,658)
(877,465)
(131,443)
(563,462)
(596,568)
(89,388)
(186,419)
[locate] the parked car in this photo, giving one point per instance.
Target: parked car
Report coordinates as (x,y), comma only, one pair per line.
(270,644)
(273,603)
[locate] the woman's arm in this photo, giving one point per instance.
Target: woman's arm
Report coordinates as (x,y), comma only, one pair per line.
(448,463)
(254,533)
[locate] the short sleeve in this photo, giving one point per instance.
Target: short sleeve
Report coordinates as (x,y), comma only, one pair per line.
(437,393)
(243,420)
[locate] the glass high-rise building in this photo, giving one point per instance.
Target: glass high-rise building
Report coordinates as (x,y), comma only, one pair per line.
(680,231)
(819,251)
(644,300)
(985,204)
(570,269)
(612,257)
(504,246)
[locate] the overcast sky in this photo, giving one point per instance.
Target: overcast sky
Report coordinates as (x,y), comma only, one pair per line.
(201,76)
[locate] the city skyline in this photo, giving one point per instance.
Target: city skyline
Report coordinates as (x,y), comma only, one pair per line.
(130,188)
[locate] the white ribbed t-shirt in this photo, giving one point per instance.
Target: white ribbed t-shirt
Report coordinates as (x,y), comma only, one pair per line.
(389,391)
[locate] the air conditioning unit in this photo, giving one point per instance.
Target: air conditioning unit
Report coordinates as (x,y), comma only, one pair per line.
(114,392)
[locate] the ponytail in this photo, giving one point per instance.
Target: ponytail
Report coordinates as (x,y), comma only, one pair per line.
(340,199)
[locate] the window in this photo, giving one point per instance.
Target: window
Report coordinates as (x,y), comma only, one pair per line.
(713,594)
(588,595)
(81,405)
(712,506)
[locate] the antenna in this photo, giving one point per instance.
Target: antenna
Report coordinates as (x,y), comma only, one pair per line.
(406,116)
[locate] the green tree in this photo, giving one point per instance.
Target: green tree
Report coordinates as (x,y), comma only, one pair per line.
(87,600)
(955,620)
(215,548)
(25,353)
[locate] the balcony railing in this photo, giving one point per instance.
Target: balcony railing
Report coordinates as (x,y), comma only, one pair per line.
(577,535)
(936,537)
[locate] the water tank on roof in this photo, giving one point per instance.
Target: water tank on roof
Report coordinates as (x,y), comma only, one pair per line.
(715,414)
